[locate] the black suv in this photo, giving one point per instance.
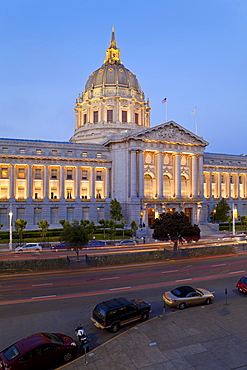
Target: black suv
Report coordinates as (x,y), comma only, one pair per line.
(118,312)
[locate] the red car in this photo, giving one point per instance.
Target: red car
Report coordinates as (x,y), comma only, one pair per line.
(38,351)
(242,284)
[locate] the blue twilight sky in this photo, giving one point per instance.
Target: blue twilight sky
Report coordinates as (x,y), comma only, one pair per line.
(194,52)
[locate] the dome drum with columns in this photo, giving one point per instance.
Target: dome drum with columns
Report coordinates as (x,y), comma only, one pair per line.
(112,102)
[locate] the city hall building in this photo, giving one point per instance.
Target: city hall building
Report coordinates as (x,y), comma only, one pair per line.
(114,153)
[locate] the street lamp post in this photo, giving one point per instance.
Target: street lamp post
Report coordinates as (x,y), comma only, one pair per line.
(10,228)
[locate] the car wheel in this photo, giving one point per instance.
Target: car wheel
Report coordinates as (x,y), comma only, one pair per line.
(182,306)
(67,357)
(115,327)
(144,316)
(208,301)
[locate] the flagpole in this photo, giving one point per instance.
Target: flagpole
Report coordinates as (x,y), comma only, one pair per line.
(195,112)
(166,111)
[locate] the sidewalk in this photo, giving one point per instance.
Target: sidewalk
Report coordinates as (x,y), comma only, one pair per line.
(210,337)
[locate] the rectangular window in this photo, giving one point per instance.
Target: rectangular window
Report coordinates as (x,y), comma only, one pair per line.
(69,174)
(54,152)
(38,151)
(109,115)
(54,215)
(85,213)
(22,150)
(231,180)
(98,193)
(99,155)
(240,180)
(100,213)
(21,173)
(3,216)
(3,192)
(124,116)
(20,192)
(20,213)
(54,193)
(5,150)
(84,154)
(37,215)
(37,192)
(70,153)
(4,173)
(54,174)
(37,174)
(84,193)
(84,119)
(213,178)
(69,193)
(95,116)
(70,214)
(99,175)
(136,118)
(84,175)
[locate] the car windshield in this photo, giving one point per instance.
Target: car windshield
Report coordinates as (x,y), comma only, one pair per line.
(11,353)
(54,337)
(244,279)
(99,311)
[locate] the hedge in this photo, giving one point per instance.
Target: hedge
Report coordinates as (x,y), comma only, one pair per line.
(33,265)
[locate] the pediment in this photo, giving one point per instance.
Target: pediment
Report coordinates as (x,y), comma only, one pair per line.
(170,132)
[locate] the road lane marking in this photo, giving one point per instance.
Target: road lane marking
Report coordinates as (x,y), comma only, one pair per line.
(220,264)
(236,272)
(167,272)
(178,281)
(125,287)
(44,296)
(110,278)
(42,284)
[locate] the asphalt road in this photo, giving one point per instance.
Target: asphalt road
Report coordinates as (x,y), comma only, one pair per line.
(59,302)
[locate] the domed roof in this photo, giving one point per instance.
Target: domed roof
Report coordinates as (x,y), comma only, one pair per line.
(113,73)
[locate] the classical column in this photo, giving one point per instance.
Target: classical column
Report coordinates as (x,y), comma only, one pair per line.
(244,185)
(106,183)
(92,187)
(29,179)
(210,185)
(194,189)
(133,173)
(237,193)
(228,186)
(46,182)
(141,174)
(12,182)
(78,182)
(62,182)
(160,175)
(177,176)
(201,187)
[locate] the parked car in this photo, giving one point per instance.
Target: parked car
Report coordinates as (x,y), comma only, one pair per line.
(127,242)
(118,312)
(242,284)
(96,243)
(38,351)
(59,246)
(184,296)
(29,247)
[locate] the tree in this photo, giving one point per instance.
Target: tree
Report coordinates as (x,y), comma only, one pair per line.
(89,227)
(122,225)
(112,228)
(44,226)
(115,211)
(75,235)
(20,225)
(103,223)
(134,227)
(221,211)
(64,223)
(175,226)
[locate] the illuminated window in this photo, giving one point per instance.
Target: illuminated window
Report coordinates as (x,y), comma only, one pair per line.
(22,150)
(69,174)
(166,186)
(69,153)
(84,154)
(69,193)
(148,186)
(20,192)
(54,152)
(37,174)
(37,192)
(98,193)
(5,150)
(21,172)
(99,175)
(84,193)
(4,172)
(95,116)
(124,116)
(3,192)
(136,118)
(54,174)
(54,192)
(184,191)
(38,151)
(99,155)
(109,115)
(84,175)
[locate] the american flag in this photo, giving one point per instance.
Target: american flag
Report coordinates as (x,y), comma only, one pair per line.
(164,100)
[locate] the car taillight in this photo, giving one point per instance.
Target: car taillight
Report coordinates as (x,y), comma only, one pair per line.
(172,300)
(104,323)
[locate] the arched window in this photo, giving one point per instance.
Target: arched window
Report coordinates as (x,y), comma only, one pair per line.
(184,191)
(166,186)
(148,186)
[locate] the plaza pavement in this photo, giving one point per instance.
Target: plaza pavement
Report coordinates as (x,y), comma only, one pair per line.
(210,337)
